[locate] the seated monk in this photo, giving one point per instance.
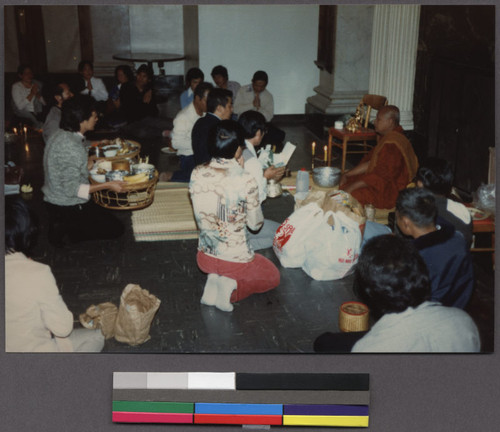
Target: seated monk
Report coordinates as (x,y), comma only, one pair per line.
(387,168)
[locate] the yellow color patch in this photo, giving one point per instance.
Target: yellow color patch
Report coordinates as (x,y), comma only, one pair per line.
(302,420)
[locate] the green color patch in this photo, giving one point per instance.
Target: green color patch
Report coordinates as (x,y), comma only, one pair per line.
(154,407)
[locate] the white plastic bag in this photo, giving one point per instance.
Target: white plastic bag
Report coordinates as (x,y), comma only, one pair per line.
(332,251)
(289,242)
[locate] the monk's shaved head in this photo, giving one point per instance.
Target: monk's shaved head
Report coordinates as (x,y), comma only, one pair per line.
(390,112)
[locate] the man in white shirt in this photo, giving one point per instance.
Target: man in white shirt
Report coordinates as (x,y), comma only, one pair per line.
(255,97)
(92,86)
(181,133)
(254,126)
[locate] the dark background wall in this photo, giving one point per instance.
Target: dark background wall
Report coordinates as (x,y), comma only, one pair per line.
(454,102)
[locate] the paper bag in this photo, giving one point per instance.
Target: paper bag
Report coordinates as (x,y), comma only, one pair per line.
(135,314)
(102,316)
(344,202)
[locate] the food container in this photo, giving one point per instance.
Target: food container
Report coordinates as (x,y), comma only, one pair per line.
(122,164)
(143,168)
(274,189)
(116,175)
(99,178)
(110,152)
(327,177)
(354,316)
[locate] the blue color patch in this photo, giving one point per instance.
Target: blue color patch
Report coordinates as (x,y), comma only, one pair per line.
(238,409)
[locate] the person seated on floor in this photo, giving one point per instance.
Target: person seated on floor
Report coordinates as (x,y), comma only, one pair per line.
(89,85)
(254,127)
(27,99)
(194,77)
(61,92)
(436,175)
(138,107)
(181,134)
(442,248)
(255,97)
(221,80)
(391,278)
(388,168)
(219,107)
(36,317)
(113,118)
(123,74)
(73,217)
(225,200)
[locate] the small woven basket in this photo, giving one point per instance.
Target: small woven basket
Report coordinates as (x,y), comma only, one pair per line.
(353,317)
(137,196)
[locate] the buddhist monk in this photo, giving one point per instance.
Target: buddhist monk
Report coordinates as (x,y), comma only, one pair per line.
(387,168)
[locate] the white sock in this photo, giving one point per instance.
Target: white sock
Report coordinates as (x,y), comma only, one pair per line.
(225,287)
(210,292)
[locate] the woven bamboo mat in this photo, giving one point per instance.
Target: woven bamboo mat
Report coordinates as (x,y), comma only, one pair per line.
(169,217)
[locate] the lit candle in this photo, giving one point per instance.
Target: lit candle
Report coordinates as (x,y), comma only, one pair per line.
(324,150)
(313,148)
(25,130)
(14,130)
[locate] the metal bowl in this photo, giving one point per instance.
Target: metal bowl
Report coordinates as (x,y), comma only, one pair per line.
(326,176)
(144,168)
(116,175)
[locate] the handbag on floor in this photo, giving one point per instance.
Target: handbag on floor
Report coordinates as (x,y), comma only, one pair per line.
(289,242)
(332,250)
(135,314)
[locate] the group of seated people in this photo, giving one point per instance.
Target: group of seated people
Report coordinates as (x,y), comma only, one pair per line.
(129,105)
(202,106)
(428,259)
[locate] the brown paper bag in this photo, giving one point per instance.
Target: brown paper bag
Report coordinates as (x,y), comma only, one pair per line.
(102,316)
(135,314)
(347,204)
(314,195)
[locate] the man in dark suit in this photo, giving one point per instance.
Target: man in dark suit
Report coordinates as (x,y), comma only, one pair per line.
(219,107)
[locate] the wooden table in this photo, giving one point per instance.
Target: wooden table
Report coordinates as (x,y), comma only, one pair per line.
(150,58)
(344,136)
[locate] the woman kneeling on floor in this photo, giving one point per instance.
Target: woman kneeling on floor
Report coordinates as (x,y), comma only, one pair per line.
(226,199)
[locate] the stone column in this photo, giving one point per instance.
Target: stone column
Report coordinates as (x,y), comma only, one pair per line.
(394,56)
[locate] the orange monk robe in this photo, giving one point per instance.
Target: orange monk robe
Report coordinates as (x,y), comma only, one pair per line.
(392,166)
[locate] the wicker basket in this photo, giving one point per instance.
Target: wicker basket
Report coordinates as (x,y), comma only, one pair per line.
(137,196)
(353,317)
(129,155)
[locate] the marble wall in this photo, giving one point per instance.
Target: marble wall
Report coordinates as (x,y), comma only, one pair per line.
(341,91)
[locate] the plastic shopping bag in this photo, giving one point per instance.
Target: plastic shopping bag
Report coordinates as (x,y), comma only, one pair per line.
(332,251)
(291,237)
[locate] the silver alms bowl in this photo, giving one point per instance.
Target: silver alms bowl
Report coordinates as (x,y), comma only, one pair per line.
(326,177)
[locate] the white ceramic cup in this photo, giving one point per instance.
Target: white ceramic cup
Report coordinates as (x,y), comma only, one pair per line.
(339,125)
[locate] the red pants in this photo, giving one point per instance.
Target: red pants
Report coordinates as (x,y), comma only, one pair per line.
(257,276)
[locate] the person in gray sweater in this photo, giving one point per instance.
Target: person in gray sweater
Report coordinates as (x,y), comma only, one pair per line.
(72,216)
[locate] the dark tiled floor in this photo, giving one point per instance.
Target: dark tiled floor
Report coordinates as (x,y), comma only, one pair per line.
(286,319)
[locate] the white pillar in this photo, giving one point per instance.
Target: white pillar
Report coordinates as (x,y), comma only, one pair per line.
(394,56)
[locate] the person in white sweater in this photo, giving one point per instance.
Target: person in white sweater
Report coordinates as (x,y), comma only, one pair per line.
(36,317)
(254,126)
(27,99)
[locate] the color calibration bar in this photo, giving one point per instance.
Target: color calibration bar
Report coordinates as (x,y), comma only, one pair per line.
(241,398)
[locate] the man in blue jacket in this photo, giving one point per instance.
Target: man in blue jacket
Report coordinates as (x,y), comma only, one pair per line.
(443,249)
